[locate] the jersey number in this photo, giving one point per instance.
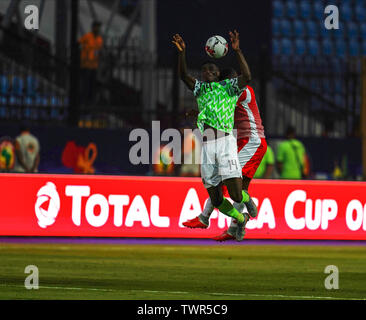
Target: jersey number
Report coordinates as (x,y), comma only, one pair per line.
(233,163)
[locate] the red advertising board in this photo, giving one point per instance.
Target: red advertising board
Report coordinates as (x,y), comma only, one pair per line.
(120,206)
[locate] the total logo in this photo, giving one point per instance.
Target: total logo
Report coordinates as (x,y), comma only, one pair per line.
(137,211)
(47,193)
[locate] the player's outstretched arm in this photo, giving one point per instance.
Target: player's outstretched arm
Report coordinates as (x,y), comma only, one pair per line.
(245,76)
(182,64)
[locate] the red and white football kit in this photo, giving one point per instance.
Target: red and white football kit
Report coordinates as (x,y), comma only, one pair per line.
(250,138)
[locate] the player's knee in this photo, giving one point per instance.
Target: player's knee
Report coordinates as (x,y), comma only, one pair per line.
(236,196)
(216,202)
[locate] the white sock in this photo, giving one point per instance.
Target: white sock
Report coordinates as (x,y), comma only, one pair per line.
(233,223)
(208,209)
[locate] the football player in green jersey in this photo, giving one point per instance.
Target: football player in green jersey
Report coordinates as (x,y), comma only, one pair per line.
(216,104)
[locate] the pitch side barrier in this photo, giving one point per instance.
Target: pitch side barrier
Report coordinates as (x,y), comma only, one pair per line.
(155,207)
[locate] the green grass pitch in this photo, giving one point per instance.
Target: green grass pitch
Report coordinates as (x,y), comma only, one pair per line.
(179,272)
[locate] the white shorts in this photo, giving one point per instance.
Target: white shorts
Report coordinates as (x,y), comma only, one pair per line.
(219,161)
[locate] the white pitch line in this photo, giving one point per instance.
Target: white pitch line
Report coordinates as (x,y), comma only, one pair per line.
(194,293)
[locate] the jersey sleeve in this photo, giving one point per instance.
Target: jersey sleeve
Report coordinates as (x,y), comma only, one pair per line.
(197,88)
(231,86)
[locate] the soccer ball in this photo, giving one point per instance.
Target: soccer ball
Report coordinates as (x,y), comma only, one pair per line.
(216,47)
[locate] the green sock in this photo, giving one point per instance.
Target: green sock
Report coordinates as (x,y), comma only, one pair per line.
(245,196)
(227,208)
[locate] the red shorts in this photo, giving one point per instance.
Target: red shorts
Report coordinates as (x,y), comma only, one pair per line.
(250,154)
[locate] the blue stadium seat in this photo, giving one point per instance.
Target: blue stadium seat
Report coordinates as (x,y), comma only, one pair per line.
(354,48)
(276,48)
(313,47)
(286,47)
(28,101)
(32,85)
(65,101)
(278,9)
(305,9)
(318,9)
(339,85)
(41,101)
(4,85)
(286,29)
(326,85)
(14,100)
(352,30)
(300,47)
(291,9)
(17,86)
(323,32)
(341,49)
(311,29)
(299,28)
(360,12)
(363,30)
(345,12)
(339,100)
(55,102)
(276,28)
(338,33)
(336,64)
(327,47)
(315,84)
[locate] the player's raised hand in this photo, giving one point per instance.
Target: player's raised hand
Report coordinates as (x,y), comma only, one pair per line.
(234,37)
(179,43)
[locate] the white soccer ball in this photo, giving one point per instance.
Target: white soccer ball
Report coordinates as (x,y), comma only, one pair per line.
(216,47)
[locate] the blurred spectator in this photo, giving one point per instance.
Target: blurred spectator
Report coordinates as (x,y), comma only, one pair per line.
(7,154)
(291,157)
(27,152)
(190,166)
(266,166)
(90,45)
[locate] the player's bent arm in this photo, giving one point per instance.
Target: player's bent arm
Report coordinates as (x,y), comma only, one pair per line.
(183,73)
(20,157)
(279,167)
(268,173)
(245,77)
(36,163)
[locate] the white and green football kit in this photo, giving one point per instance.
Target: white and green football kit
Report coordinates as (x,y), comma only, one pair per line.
(216,105)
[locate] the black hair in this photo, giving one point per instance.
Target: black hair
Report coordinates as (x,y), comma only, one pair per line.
(227,73)
(209,62)
(96,23)
(24,126)
(290,130)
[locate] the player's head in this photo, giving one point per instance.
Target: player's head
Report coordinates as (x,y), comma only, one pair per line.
(290,132)
(96,27)
(228,73)
(210,72)
(24,127)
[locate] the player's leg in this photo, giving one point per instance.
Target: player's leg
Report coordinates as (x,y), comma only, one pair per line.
(230,233)
(210,178)
(249,163)
(231,175)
